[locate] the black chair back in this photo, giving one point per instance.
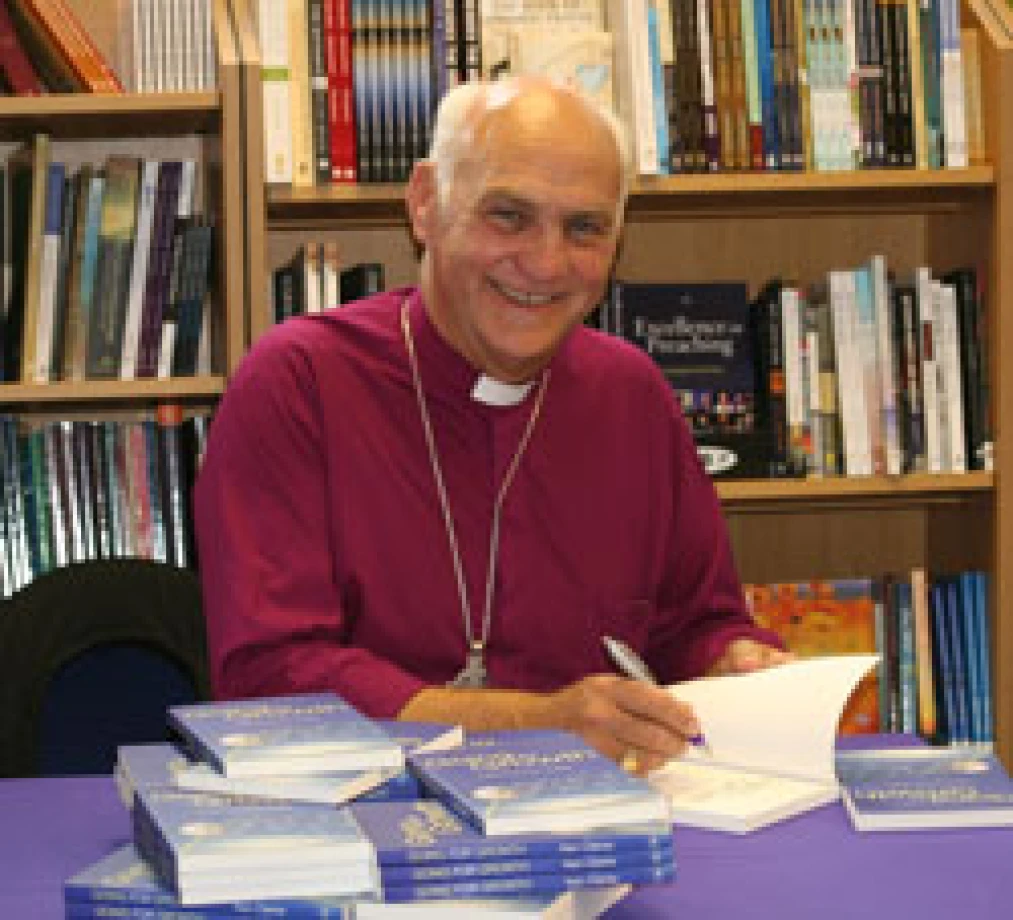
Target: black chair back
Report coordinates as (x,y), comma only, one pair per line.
(90,657)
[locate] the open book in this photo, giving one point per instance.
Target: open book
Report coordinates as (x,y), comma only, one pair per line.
(769,750)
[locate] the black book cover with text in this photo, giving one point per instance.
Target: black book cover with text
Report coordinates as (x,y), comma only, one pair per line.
(699,336)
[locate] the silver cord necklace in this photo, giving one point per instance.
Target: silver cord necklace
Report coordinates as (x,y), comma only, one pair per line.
(474,673)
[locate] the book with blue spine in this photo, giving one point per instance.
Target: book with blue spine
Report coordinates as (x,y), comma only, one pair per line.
(425,840)
(550,883)
(536,780)
(302,733)
(925,787)
(209,850)
(123,884)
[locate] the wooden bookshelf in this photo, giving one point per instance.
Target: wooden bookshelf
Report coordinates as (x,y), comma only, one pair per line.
(750,227)
(206,125)
(61,394)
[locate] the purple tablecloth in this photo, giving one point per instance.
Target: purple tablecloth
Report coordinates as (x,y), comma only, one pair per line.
(814,866)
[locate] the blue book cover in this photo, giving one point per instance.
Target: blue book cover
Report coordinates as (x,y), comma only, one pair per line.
(945,671)
(164,765)
(962,727)
(304,733)
(147,766)
(528,781)
(211,850)
(123,882)
(525,886)
(426,835)
(972,677)
(984,651)
(919,788)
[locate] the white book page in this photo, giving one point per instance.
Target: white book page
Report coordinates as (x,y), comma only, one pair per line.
(780,720)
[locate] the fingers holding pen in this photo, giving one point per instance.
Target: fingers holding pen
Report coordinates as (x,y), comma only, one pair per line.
(622,717)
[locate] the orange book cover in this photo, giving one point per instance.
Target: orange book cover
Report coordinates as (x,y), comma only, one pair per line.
(826,618)
(63,32)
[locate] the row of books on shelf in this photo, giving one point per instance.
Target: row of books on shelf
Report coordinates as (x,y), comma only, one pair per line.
(72,491)
(168,46)
(161,46)
(112,269)
(45,48)
(931,633)
(863,373)
(722,85)
(315,279)
(416,819)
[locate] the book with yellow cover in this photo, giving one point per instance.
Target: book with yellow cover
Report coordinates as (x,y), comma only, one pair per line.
(826,618)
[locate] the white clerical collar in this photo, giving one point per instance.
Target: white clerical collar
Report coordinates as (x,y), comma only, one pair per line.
(496,393)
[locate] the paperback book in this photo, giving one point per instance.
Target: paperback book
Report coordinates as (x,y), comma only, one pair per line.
(700,337)
(425,851)
(530,781)
(307,733)
(210,850)
(924,788)
(143,766)
(769,751)
(123,884)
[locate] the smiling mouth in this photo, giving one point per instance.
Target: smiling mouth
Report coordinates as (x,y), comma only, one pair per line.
(521,297)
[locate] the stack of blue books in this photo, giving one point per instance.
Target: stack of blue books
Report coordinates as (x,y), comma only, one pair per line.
(424,852)
(300,806)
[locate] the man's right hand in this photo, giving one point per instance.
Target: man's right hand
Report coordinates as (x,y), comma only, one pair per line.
(633,723)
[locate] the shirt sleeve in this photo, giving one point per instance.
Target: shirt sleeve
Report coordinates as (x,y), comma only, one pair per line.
(701,604)
(272,603)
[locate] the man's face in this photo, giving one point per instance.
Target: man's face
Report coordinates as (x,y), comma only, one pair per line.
(521,250)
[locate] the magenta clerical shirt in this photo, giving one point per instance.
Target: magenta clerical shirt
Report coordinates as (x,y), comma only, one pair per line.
(323,551)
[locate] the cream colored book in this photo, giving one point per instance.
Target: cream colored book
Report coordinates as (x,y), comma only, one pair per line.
(769,743)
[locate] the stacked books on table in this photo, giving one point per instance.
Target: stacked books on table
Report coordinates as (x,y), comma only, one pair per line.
(302,807)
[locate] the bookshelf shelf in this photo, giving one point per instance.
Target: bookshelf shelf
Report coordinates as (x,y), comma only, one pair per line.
(878,490)
(862,190)
(64,393)
(86,116)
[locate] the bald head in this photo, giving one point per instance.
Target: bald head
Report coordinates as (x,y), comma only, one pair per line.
(476,118)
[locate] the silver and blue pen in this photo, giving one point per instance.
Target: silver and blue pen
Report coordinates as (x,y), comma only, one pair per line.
(633,666)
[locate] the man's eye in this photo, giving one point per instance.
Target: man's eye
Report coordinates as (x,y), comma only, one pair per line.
(587,228)
(507,218)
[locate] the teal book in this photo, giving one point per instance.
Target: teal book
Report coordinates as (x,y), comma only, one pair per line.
(210,850)
(925,788)
(303,733)
(528,781)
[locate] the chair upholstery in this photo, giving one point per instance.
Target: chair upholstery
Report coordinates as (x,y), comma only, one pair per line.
(90,656)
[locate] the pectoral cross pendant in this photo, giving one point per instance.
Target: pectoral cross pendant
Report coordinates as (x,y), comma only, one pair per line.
(473,673)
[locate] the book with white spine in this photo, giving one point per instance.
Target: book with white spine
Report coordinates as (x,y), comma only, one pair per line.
(930,379)
(949,358)
(887,366)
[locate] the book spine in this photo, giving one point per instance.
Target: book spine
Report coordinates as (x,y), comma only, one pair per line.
(147,201)
(319,91)
(952,86)
(116,234)
(71,36)
(42,371)
(275,63)
(14,63)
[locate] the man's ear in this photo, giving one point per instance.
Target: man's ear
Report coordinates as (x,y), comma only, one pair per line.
(420,198)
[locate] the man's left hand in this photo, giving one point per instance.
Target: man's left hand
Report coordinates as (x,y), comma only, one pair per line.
(744,655)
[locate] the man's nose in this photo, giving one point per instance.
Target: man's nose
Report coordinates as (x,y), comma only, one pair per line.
(546,255)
